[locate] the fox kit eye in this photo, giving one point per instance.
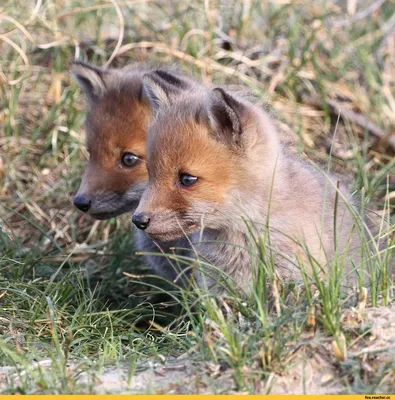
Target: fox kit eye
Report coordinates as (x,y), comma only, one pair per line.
(129,160)
(187,180)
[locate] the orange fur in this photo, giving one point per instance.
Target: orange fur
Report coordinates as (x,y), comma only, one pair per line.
(114,126)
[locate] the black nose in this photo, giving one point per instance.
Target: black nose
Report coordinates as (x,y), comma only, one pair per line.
(82,202)
(141,220)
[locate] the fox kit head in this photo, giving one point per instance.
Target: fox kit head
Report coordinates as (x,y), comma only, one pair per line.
(209,152)
(116,128)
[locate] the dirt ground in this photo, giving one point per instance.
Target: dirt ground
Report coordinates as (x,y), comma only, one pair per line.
(313,368)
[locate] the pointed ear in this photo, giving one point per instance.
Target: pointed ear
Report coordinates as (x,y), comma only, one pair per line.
(159,86)
(90,78)
(174,82)
(225,117)
(154,92)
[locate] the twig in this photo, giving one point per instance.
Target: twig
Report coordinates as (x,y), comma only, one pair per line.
(362,121)
(81,10)
(361,15)
(121,32)
(204,64)
(359,119)
(20,52)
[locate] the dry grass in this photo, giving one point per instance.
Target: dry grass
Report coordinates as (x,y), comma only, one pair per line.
(325,70)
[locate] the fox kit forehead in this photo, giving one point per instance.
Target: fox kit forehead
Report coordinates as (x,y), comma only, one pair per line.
(182,143)
(117,122)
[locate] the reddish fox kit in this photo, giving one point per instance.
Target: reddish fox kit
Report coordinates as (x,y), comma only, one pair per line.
(217,172)
(116,126)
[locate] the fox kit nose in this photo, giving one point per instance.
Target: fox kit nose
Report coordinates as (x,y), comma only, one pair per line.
(82,202)
(141,220)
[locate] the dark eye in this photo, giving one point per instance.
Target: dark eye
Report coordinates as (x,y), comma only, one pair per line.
(129,160)
(187,180)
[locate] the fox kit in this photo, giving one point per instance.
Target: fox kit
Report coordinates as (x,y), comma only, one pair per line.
(116,126)
(214,160)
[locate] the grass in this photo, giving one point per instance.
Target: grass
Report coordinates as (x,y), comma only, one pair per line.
(68,310)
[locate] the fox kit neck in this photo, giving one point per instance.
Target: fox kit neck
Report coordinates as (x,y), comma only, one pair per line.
(229,251)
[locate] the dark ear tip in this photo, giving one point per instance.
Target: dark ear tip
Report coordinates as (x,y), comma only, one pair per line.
(218,89)
(149,78)
(220,93)
(170,78)
(78,63)
(228,98)
(77,67)
(152,77)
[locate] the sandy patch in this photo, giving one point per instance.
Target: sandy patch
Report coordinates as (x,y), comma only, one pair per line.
(313,368)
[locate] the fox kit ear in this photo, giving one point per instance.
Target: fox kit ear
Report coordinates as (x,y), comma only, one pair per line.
(90,79)
(153,93)
(174,82)
(225,117)
(159,86)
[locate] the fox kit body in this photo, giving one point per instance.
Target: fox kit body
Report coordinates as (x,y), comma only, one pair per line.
(116,125)
(218,173)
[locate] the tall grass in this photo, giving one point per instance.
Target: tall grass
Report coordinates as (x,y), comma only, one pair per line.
(68,310)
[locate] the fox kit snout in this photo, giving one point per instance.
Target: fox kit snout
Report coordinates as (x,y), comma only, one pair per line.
(215,162)
(116,126)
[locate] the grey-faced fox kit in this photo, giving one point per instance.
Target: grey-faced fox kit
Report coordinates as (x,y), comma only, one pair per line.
(218,173)
(117,120)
